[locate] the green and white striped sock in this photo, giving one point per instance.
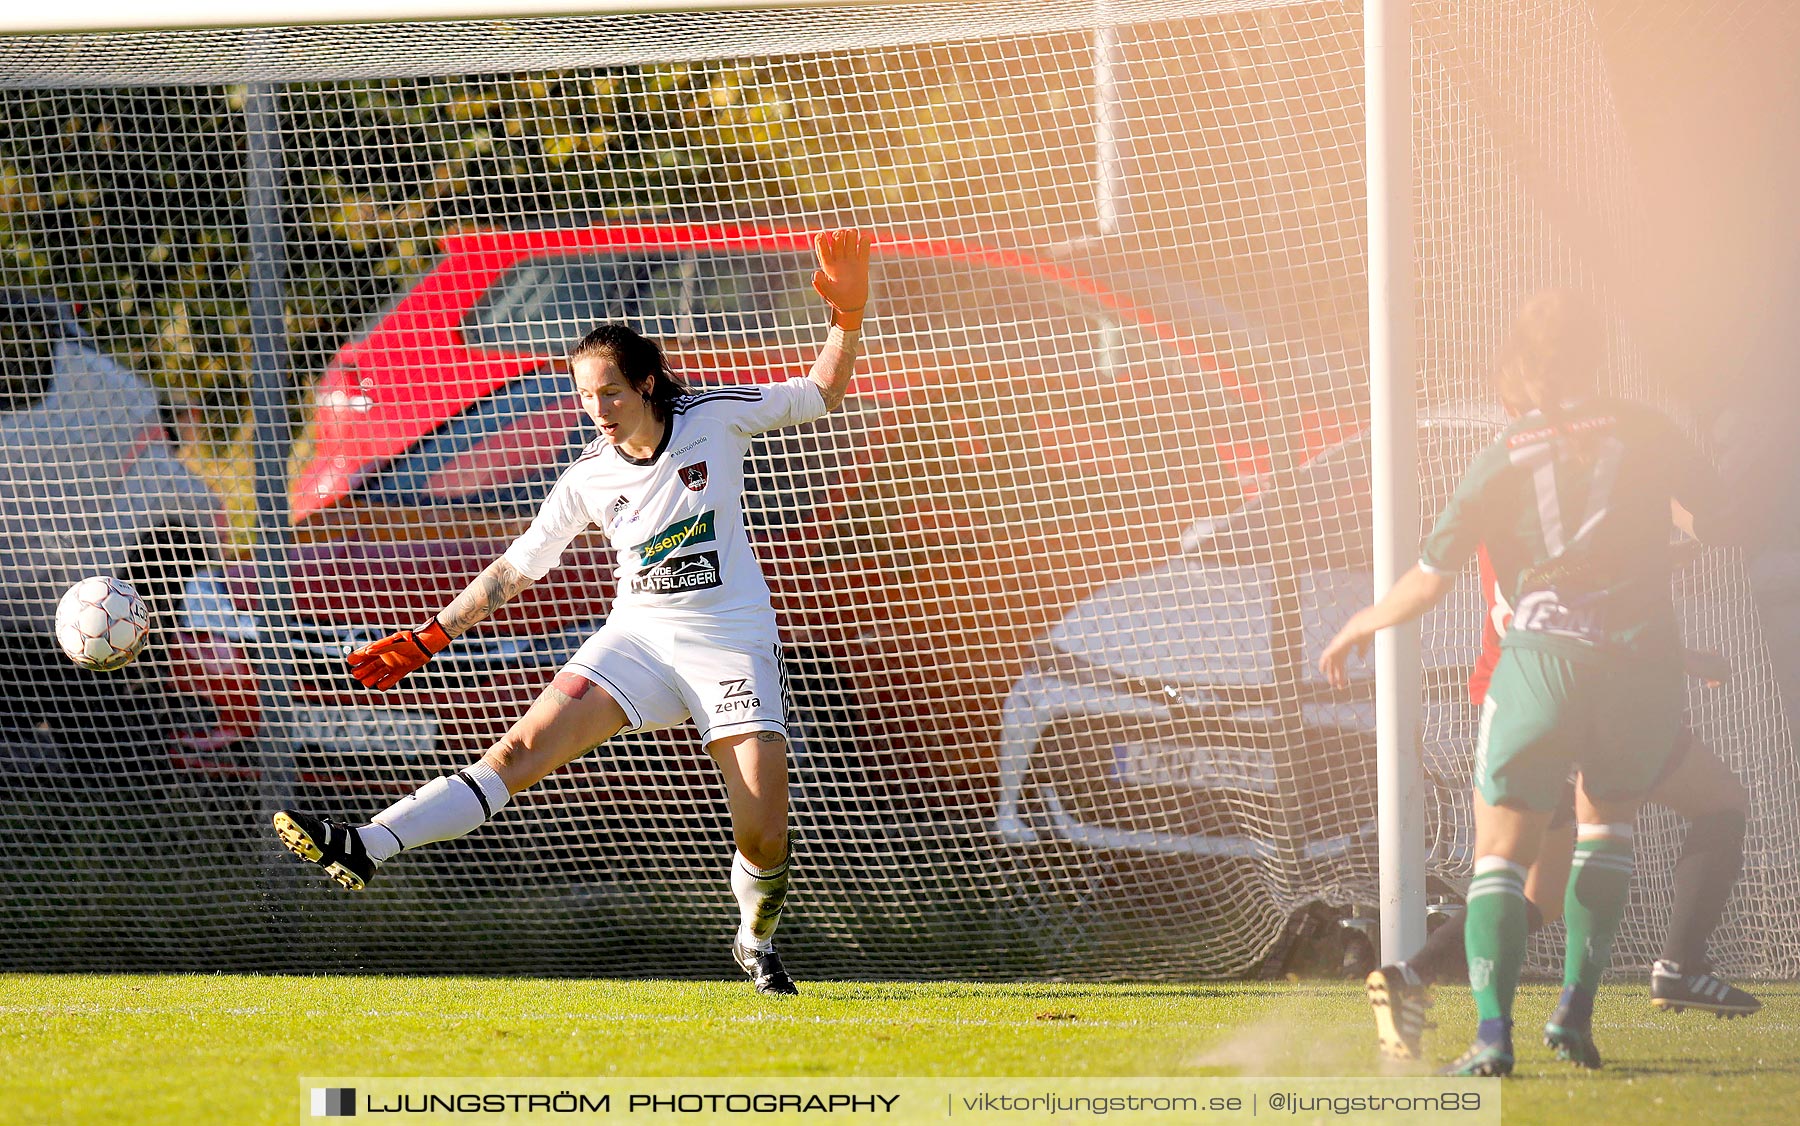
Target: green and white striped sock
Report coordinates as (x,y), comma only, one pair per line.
(1599,886)
(1494,933)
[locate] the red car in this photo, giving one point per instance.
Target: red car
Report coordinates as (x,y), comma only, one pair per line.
(1017,434)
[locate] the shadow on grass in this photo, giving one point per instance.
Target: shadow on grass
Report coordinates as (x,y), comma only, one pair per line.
(156,874)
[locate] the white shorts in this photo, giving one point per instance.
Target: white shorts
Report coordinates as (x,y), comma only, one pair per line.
(725,672)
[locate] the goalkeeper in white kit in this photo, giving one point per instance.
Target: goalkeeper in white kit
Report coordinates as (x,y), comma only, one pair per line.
(691,632)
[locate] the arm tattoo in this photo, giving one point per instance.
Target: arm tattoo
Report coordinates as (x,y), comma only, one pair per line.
(770,737)
(836,362)
(492,589)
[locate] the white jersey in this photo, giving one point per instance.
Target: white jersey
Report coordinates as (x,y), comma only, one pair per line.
(676,518)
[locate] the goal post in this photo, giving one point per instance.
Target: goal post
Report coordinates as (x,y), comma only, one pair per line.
(1173,347)
(1393,435)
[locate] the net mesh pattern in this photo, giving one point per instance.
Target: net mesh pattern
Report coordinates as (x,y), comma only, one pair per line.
(1051,583)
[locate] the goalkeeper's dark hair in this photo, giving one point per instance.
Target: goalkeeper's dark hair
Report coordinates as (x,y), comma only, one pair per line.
(1554,353)
(640,360)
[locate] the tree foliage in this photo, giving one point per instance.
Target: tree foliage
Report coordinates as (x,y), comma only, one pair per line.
(131,202)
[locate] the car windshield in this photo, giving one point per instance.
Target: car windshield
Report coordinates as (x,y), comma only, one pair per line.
(945,305)
(503,450)
(545,305)
(1318,514)
(1314,515)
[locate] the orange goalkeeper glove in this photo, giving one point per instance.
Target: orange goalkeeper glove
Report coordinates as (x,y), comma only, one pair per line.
(842,278)
(385,663)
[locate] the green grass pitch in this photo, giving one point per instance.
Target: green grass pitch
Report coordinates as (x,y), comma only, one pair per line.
(136,1050)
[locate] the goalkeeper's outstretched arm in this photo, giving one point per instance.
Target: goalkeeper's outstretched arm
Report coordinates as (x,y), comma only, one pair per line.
(492,589)
(842,279)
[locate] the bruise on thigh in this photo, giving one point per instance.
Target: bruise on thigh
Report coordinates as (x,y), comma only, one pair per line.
(573,685)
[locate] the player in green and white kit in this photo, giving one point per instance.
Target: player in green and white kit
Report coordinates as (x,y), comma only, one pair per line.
(1573,501)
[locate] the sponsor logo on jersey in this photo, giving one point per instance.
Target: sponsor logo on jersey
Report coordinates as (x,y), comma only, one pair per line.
(698,529)
(619,504)
(738,697)
(693,445)
(679,575)
(694,476)
(1545,611)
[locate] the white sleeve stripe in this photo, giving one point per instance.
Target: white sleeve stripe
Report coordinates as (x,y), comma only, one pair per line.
(1430,570)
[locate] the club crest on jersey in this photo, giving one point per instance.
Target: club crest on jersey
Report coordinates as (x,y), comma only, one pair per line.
(694,476)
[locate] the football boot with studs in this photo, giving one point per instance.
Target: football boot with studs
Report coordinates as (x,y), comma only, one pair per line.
(1672,990)
(332,845)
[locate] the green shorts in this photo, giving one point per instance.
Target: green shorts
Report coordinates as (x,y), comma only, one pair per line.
(1616,719)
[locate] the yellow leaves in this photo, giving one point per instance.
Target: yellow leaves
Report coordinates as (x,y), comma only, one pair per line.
(364,223)
(355,221)
(476,103)
(17,195)
(176,337)
(560,148)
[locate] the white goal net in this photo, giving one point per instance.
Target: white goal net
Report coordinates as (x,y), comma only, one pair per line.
(282,312)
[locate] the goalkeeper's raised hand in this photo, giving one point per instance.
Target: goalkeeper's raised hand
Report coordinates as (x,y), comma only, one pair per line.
(385,663)
(842,278)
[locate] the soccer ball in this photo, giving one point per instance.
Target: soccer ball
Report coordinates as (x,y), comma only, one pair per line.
(101,623)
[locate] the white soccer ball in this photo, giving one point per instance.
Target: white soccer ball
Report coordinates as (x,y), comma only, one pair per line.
(101,623)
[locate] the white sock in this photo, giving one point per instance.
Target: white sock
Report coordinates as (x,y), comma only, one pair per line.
(440,810)
(760,895)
